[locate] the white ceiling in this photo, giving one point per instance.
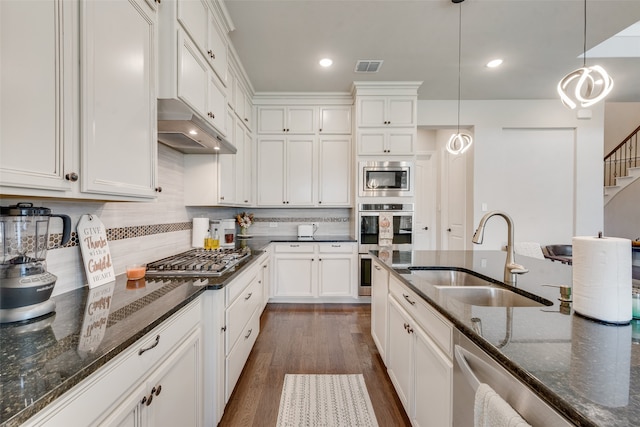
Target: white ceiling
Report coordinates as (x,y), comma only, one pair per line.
(280,42)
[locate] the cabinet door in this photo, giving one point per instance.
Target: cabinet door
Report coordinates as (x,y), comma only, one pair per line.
(129,413)
(300,172)
(335,120)
(379,293)
(371,111)
(271,119)
(372,142)
(178,397)
(433,379)
(399,358)
(118,98)
(36,87)
(217,49)
(294,276)
(193,16)
(193,75)
(227,169)
(244,169)
(301,120)
(334,181)
(335,275)
(401,111)
(239,102)
(400,142)
(265,278)
(217,105)
(271,172)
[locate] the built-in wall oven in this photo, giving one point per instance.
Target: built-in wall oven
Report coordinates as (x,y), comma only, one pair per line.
(397,251)
(385,179)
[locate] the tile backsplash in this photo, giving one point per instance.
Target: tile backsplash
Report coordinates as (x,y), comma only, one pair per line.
(147,231)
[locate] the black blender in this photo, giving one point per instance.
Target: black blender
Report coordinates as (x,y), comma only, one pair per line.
(25,283)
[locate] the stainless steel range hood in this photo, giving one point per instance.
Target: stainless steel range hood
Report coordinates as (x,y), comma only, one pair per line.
(181,128)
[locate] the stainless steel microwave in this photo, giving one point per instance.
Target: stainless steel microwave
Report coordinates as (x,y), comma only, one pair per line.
(385,179)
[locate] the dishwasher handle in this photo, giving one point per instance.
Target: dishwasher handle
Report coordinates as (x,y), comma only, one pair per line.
(461,356)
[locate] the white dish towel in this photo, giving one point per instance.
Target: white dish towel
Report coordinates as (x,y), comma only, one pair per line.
(385,229)
(491,410)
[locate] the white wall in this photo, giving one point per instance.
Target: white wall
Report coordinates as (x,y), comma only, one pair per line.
(493,123)
(620,119)
(622,212)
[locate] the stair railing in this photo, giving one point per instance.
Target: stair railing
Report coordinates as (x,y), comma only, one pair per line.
(621,158)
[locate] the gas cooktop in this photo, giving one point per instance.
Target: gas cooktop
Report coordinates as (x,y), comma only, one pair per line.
(198,263)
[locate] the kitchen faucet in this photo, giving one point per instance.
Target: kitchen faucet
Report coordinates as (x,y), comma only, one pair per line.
(510,267)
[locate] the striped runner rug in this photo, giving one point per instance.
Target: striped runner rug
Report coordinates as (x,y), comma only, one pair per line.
(325,400)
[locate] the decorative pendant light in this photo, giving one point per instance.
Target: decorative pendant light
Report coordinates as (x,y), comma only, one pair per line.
(589,84)
(459,142)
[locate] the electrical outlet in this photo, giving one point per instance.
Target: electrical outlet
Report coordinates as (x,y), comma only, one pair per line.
(273,225)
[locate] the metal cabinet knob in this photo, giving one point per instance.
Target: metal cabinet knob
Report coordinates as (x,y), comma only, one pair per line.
(158,189)
(73,177)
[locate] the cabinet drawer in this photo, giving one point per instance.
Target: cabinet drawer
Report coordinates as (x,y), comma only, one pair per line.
(239,284)
(343,248)
(307,248)
(241,310)
(238,356)
(438,328)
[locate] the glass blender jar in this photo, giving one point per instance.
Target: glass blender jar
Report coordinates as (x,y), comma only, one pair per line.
(25,283)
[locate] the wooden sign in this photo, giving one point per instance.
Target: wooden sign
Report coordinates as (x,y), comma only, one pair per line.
(92,237)
(96,314)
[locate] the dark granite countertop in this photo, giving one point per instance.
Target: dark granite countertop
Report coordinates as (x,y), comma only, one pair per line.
(587,370)
(45,357)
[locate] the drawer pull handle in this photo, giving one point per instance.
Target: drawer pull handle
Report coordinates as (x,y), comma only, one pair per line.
(408,300)
(377,268)
(249,334)
(336,246)
(294,246)
(248,296)
(142,350)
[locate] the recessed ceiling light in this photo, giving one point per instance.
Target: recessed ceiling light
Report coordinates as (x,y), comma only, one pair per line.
(494,63)
(326,62)
(193,132)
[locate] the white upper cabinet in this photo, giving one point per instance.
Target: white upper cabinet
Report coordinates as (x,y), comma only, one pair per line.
(36,156)
(118,97)
(335,120)
(387,111)
(386,141)
(200,23)
(281,119)
(186,68)
(96,136)
(334,181)
(286,171)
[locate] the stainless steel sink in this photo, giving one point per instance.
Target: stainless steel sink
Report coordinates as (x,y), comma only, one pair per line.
(488,296)
(449,277)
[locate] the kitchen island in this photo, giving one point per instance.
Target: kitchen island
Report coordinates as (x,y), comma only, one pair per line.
(587,371)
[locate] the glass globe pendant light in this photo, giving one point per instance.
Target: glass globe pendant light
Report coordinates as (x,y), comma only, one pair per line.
(459,142)
(588,85)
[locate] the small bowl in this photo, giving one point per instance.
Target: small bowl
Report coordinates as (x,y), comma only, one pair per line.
(136,271)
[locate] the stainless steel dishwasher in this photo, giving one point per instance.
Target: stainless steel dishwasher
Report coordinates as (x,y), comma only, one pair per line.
(472,366)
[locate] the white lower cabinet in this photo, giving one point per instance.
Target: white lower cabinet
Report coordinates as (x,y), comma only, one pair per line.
(418,358)
(379,292)
(158,381)
(312,271)
(231,326)
(175,384)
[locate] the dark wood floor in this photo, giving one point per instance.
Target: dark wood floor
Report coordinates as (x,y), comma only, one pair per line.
(310,339)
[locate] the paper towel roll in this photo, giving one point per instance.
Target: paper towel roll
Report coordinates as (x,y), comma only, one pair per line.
(602,278)
(200,229)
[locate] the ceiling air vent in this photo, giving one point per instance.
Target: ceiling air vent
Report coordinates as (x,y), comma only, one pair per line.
(368,65)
